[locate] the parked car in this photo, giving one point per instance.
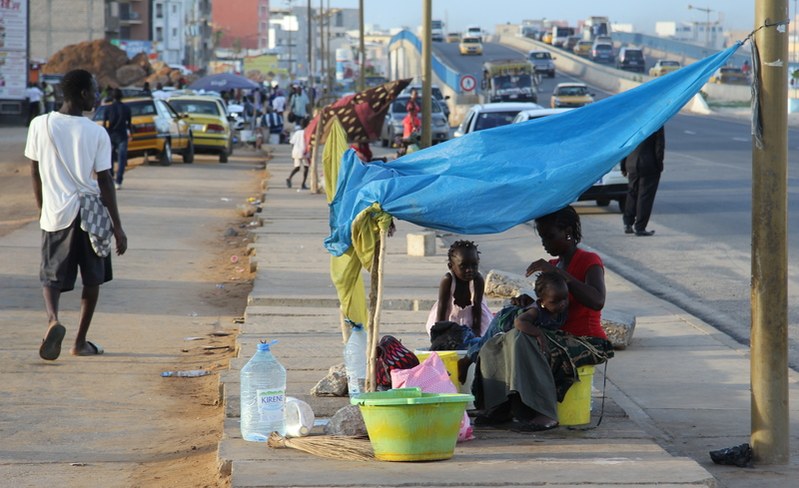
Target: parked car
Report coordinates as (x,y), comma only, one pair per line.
(158,130)
(392,125)
(730,75)
(437,94)
(543,62)
(571,95)
(470,45)
(209,121)
(631,59)
(490,115)
(583,48)
(602,53)
(454,37)
(612,186)
(664,67)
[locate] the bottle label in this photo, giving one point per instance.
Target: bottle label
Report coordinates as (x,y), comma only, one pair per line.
(270,402)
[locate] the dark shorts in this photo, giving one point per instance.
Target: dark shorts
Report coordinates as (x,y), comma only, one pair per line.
(66,250)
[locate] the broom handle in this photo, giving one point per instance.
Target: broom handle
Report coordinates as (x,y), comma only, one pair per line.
(371,363)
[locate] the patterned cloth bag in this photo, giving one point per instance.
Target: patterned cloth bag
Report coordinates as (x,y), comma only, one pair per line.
(391,355)
(94,219)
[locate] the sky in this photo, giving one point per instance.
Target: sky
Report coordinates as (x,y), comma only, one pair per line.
(735,14)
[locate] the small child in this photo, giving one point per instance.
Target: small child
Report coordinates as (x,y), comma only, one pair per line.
(298,151)
(550,308)
(460,294)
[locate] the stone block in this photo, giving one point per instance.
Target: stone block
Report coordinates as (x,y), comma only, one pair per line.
(501,284)
(347,421)
(334,384)
(619,327)
(421,244)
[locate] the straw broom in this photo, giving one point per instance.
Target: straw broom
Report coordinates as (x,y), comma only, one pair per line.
(348,448)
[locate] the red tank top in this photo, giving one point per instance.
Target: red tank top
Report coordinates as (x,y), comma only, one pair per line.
(582,321)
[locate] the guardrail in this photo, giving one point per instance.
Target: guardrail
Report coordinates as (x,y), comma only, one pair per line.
(687,52)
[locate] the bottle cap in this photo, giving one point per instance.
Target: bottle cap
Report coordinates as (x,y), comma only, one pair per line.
(265,346)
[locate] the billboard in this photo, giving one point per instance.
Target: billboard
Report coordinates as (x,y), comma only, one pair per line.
(262,68)
(13,49)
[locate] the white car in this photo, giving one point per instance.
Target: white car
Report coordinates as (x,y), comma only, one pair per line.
(490,115)
(612,186)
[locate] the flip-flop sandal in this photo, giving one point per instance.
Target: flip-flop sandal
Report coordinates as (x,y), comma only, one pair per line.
(51,344)
(96,350)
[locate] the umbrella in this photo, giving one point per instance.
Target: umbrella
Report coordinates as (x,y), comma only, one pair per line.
(223,81)
(360,114)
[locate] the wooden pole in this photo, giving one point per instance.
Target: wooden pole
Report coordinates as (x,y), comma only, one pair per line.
(769,284)
(315,152)
(427,74)
(372,333)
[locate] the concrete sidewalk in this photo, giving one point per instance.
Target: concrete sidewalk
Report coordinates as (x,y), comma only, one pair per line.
(680,390)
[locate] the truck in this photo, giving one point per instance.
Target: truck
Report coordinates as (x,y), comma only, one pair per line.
(508,80)
(594,27)
(560,34)
(437,30)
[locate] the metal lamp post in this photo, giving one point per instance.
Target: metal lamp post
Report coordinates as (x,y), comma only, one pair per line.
(707,11)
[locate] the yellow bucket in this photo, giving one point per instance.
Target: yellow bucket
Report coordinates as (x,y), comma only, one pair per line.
(575,409)
(405,424)
(450,360)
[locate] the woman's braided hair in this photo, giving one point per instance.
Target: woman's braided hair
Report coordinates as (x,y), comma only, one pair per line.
(565,218)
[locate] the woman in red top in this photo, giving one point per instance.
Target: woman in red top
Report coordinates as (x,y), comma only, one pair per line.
(526,371)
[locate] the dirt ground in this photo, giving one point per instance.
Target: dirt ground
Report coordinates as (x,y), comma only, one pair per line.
(190,459)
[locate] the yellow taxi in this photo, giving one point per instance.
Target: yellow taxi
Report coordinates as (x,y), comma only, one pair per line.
(470,45)
(158,130)
(583,48)
(209,122)
(664,67)
(547,38)
(570,95)
(454,37)
(730,75)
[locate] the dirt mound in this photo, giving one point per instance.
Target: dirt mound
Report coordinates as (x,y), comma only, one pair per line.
(111,66)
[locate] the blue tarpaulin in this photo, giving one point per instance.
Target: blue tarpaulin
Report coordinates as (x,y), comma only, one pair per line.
(489,181)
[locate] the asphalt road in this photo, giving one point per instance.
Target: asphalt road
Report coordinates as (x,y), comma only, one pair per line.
(700,256)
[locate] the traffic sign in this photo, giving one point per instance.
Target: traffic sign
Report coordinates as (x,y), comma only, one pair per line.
(468,82)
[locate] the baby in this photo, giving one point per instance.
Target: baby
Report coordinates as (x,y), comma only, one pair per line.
(460,294)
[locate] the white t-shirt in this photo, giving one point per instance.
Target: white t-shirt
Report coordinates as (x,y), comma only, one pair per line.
(84,147)
(298,142)
(279,104)
(34,94)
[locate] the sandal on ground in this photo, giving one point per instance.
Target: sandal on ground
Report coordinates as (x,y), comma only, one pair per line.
(51,344)
(534,426)
(93,349)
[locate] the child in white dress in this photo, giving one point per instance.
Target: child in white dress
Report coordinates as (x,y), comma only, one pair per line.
(460,294)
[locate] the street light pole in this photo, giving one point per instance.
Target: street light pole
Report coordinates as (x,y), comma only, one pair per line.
(707,11)
(288,28)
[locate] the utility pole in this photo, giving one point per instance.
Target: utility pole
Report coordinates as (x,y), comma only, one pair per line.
(311,91)
(427,72)
(288,23)
(769,284)
(361,49)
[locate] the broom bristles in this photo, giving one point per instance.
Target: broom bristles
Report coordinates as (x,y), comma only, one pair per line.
(348,448)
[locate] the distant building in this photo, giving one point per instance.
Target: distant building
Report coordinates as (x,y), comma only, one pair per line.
(701,33)
(240,24)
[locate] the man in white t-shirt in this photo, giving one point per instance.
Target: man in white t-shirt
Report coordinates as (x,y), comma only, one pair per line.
(66,149)
(34,94)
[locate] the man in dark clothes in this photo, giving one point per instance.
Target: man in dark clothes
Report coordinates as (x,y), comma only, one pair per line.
(117,121)
(642,169)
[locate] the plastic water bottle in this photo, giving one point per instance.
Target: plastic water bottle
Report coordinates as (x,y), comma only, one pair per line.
(263,395)
(355,360)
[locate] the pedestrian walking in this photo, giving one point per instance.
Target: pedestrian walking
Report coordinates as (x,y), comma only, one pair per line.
(66,149)
(299,154)
(272,124)
(642,168)
(49,96)
(117,121)
(34,95)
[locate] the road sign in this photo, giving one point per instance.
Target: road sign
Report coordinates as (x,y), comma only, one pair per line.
(468,82)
